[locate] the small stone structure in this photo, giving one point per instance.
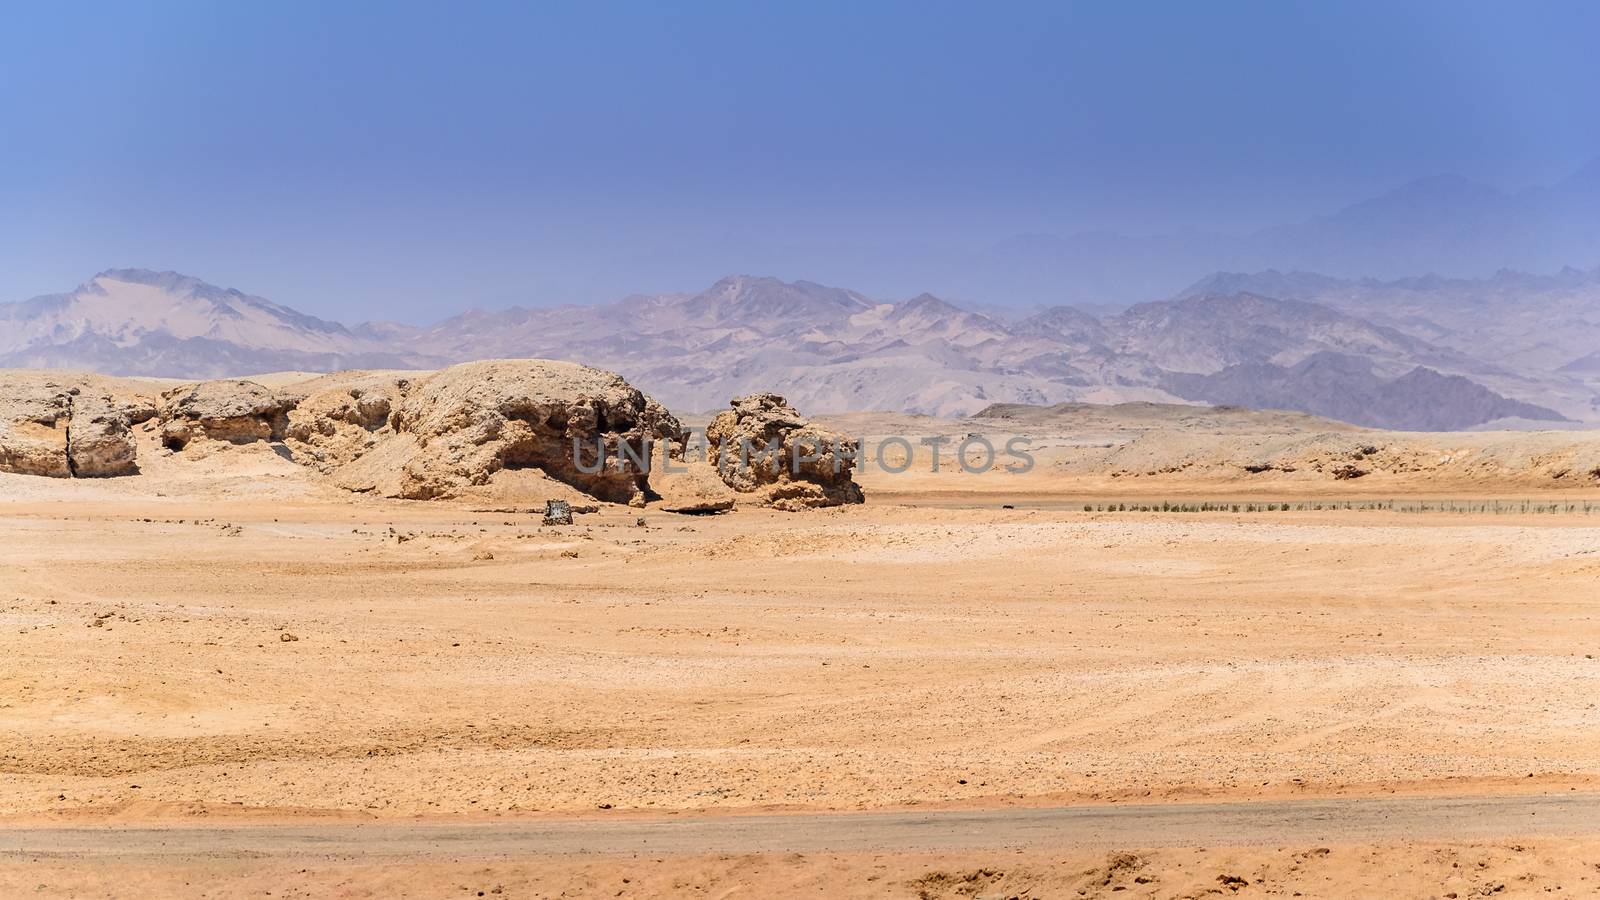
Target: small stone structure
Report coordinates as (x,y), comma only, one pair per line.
(557,512)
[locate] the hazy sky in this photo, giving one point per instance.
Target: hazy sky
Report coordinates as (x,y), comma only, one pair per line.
(395,160)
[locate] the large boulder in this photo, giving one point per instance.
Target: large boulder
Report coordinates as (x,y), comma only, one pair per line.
(100,443)
(238,412)
(33,430)
(473,420)
(768,452)
(441,435)
(66,427)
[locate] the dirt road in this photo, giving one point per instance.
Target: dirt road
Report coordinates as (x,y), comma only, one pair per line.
(1147,825)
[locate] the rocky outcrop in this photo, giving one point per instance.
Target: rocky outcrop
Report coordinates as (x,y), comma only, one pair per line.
(64,428)
(100,441)
(569,421)
(766,451)
(238,412)
(442,434)
(426,435)
(33,436)
(338,425)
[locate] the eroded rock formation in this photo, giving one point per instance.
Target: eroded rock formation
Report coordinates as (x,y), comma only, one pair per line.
(338,424)
(100,440)
(239,412)
(768,452)
(67,427)
(33,433)
(438,435)
(425,435)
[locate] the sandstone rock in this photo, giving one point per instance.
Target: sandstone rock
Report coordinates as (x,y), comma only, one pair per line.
(441,435)
(33,430)
(335,426)
(763,448)
(501,429)
(136,409)
(65,427)
(691,485)
(238,412)
(34,448)
(99,442)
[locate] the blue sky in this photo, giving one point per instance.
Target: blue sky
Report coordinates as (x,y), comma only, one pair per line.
(405,160)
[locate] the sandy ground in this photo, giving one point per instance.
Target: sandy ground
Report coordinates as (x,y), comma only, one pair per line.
(246,645)
(1535,868)
(863,657)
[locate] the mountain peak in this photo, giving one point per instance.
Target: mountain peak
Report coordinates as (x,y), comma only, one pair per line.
(137,275)
(167,279)
(1065,323)
(145,321)
(732,284)
(926,300)
(926,306)
(764,300)
(178,285)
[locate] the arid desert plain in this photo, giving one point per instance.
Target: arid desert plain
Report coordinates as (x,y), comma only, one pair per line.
(1192,652)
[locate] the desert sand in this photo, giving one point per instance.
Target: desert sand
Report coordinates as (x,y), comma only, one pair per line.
(1520,868)
(229,637)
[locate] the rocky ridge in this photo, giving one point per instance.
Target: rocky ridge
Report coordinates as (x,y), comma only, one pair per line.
(422,435)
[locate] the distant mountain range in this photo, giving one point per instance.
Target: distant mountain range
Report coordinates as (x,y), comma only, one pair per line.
(1417,353)
(134,321)
(1539,333)
(1346,388)
(1444,224)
